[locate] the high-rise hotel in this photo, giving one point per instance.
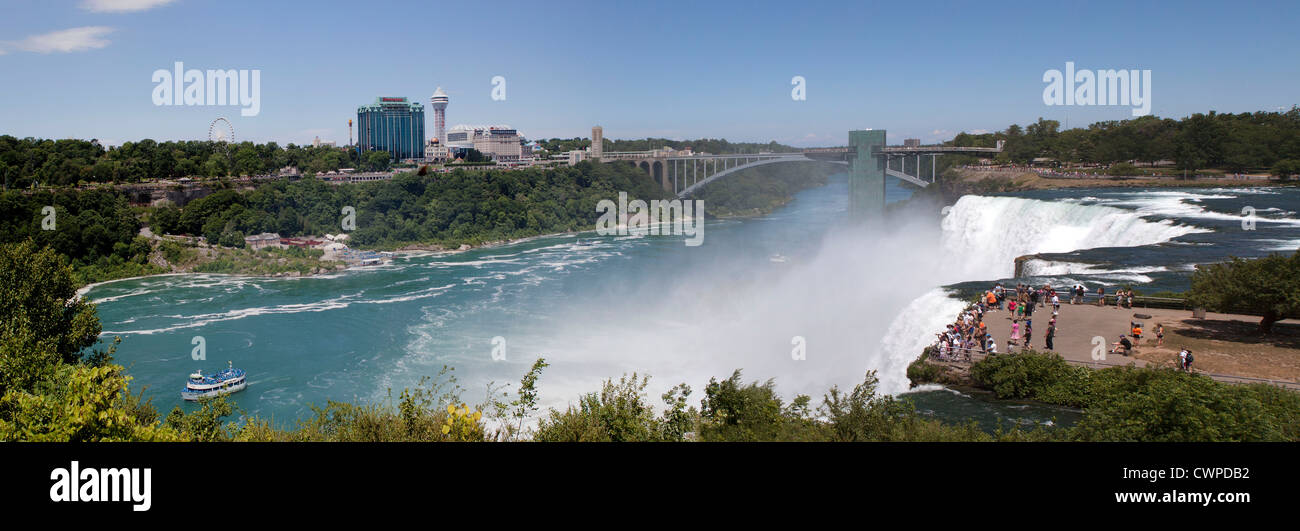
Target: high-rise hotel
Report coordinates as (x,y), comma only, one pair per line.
(391,124)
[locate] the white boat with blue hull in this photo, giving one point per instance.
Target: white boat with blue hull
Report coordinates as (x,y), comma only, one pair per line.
(224,382)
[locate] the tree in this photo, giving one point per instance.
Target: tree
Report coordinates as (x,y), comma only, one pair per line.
(618,413)
(526,404)
(37,289)
(1268,286)
(165,220)
(1285,168)
(378,161)
(738,412)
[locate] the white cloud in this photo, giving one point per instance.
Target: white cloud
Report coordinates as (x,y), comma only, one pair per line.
(63,41)
(121,6)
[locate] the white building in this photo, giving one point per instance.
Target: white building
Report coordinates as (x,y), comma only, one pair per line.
(501,142)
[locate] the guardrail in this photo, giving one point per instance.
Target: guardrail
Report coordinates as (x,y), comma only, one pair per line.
(959,355)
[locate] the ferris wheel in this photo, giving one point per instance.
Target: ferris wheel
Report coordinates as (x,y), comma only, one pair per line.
(220,130)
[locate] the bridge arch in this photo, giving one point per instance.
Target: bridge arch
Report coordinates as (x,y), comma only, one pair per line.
(696,185)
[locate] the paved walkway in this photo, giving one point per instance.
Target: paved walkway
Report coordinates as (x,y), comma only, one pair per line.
(1078,324)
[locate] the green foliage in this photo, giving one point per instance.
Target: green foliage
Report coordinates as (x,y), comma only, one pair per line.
(81,403)
(95,229)
(378,161)
(863,415)
(1166,405)
(1033,375)
(618,413)
(461,207)
(39,306)
(921,372)
(268,261)
(678,418)
(1285,169)
(735,411)
(1141,404)
(204,425)
(1269,287)
(1232,142)
(30,161)
(1122,169)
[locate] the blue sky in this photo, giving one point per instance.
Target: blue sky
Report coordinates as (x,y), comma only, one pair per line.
(81,68)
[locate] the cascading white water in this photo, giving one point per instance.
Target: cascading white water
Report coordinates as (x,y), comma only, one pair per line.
(986,234)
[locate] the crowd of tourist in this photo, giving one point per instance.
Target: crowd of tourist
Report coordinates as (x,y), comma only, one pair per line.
(969,333)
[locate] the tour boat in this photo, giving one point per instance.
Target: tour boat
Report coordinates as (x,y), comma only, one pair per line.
(226,381)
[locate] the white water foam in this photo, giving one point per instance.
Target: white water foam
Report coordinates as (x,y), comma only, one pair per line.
(988,233)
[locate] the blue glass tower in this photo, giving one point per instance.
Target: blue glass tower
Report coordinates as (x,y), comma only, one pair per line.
(391,124)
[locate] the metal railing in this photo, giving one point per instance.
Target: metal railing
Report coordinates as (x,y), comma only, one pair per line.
(960,355)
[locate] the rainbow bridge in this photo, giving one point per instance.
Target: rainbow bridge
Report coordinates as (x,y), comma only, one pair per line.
(868,157)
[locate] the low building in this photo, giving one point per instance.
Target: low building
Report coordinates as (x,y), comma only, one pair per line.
(262,241)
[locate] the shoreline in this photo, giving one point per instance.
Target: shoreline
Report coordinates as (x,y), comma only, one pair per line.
(408,251)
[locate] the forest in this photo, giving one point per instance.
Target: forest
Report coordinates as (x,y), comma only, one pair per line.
(30,162)
(1230,142)
(449,209)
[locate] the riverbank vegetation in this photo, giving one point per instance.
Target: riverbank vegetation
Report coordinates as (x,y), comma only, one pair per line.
(95,230)
(437,209)
(1141,404)
(1230,142)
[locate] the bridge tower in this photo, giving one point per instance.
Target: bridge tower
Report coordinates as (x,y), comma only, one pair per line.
(867,171)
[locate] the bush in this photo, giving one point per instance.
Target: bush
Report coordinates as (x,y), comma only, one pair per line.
(1033,375)
(1141,404)
(618,413)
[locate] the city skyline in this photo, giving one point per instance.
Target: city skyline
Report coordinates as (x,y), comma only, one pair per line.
(672,70)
